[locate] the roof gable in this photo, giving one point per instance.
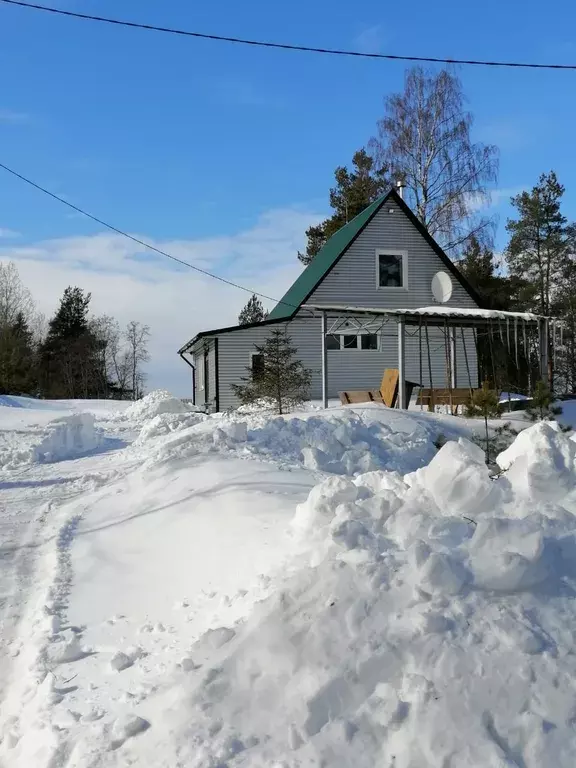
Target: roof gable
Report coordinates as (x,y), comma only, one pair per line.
(338,244)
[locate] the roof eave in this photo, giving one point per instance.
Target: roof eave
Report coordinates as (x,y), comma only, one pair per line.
(225,329)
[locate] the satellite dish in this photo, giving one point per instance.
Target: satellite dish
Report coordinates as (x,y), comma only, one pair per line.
(442,287)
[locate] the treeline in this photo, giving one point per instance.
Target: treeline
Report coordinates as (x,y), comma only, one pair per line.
(74,355)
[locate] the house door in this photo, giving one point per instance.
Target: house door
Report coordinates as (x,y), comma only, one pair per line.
(206,377)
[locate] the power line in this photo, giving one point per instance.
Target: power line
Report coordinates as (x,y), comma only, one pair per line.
(137,240)
(288,46)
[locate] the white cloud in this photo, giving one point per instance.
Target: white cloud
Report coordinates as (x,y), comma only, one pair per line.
(477,202)
(513,134)
(129,282)
(6,233)
(500,196)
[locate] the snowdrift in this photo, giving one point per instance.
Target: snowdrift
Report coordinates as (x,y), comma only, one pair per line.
(156,402)
(429,620)
(342,442)
(64,438)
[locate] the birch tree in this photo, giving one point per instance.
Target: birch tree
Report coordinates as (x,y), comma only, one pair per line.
(137,336)
(17,347)
(15,298)
(424,139)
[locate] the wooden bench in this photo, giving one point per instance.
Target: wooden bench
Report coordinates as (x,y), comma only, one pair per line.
(451,397)
(350,397)
(387,394)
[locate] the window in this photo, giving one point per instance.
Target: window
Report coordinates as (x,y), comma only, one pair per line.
(391,269)
(332,342)
(361,341)
(349,342)
(368,341)
(257,365)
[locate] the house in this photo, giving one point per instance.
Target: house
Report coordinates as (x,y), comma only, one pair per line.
(383,258)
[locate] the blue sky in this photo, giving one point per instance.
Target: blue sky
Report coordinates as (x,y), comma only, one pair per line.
(224,153)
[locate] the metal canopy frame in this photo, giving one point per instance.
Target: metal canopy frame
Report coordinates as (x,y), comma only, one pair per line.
(334,318)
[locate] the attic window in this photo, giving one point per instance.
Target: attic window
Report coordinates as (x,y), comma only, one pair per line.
(391,269)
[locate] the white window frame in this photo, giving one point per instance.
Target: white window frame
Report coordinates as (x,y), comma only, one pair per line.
(200,371)
(392,252)
(358,348)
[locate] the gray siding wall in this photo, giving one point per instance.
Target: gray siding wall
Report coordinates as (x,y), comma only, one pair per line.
(347,369)
(202,391)
(353,280)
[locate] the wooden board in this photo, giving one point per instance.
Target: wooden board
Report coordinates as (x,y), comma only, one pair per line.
(389,387)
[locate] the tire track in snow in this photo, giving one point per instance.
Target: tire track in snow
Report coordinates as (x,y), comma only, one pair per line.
(35,573)
(17,568)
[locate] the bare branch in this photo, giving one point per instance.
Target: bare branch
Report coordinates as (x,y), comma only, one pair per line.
(424,138)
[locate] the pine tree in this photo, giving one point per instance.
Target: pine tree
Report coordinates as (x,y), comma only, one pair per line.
(279,376)
(70,356)
(480,267)
(253,312)
(542,406)
(71,318)
(538,250)
(565,380)
(17,358)
(539,241)
(484,404)
(354,191)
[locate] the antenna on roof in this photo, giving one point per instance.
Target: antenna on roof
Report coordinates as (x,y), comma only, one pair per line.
(400,188)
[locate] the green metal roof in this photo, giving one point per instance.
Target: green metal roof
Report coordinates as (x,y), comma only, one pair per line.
(324,260)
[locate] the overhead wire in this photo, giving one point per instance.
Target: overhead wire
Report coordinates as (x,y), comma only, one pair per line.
(287,46)
(137,240)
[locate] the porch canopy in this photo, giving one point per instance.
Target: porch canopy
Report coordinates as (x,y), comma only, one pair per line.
(335,318)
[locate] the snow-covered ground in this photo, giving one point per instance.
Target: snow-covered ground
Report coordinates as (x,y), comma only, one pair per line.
(322,589)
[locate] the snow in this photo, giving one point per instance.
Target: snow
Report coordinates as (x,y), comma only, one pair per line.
(506,397)
(247,590)
(155,403)
(437,309)
(475,312)
(59,439)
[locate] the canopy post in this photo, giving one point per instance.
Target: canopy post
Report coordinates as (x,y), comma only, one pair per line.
(323,325)
(543,339)
(453,371)
(402,363)
(420,356)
